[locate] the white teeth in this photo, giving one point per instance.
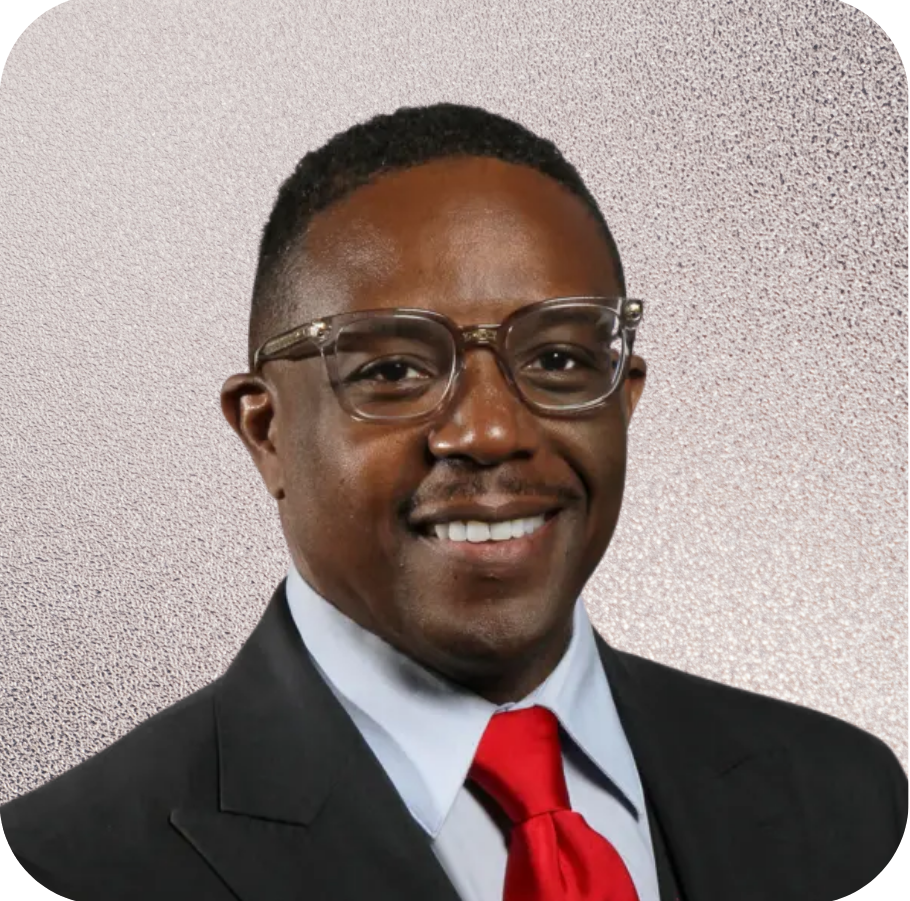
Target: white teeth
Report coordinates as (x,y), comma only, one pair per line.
(476,531)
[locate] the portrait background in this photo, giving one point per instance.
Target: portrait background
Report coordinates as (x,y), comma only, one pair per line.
(751,161)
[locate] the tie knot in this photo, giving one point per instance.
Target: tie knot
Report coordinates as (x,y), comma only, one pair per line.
(519,763)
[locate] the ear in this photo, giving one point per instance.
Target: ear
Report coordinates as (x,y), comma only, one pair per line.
(248,404)
(634,383)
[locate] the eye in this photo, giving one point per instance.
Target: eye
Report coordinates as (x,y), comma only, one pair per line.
(559,359)
(390,371)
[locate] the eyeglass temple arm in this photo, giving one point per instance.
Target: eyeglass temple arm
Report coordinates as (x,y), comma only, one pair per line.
(298,340)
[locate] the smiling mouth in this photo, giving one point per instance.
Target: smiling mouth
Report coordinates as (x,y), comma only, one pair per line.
(478,531)
(483,543)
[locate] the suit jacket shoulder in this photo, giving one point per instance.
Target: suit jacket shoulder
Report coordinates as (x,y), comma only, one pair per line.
(760,721)
(105,815)
(764,764)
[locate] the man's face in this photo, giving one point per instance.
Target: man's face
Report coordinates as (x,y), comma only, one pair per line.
(474,239)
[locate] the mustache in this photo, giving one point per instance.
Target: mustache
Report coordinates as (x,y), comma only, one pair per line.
(473,486)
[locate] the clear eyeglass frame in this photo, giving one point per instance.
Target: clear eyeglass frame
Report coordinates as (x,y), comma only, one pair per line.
(319,337)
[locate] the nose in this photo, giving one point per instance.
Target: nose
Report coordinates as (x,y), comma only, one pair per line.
(486,422)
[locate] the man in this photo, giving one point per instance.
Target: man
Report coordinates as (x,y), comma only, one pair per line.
(441,381)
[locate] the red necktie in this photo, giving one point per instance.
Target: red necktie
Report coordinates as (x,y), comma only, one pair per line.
(554,855)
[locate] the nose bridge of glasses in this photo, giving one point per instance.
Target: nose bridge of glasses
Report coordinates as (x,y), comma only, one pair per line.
(483,337)
(479,335)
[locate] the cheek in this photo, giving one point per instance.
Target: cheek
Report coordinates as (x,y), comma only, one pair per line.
(349,480)
(609,462)
(596,450)
(611,480)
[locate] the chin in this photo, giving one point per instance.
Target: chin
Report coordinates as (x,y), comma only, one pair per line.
(489,639)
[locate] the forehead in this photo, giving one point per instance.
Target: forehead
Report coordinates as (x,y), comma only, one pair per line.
(473,238)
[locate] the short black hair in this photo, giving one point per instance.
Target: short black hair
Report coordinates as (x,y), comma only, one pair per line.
(401,140)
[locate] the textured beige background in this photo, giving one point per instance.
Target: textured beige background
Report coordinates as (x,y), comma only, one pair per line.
(751,159)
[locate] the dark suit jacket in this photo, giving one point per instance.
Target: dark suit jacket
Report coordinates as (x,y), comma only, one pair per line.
(259,787)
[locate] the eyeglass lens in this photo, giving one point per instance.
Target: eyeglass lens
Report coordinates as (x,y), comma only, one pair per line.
(401,365)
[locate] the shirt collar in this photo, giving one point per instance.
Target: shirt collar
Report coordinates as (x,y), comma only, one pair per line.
(425,729)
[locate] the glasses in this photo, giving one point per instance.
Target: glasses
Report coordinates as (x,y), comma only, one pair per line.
(562,357)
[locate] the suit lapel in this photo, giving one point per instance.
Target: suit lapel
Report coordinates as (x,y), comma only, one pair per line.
(305,809)
(729,810)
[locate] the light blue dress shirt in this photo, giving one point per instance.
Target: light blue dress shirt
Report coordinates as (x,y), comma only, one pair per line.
(424,731)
